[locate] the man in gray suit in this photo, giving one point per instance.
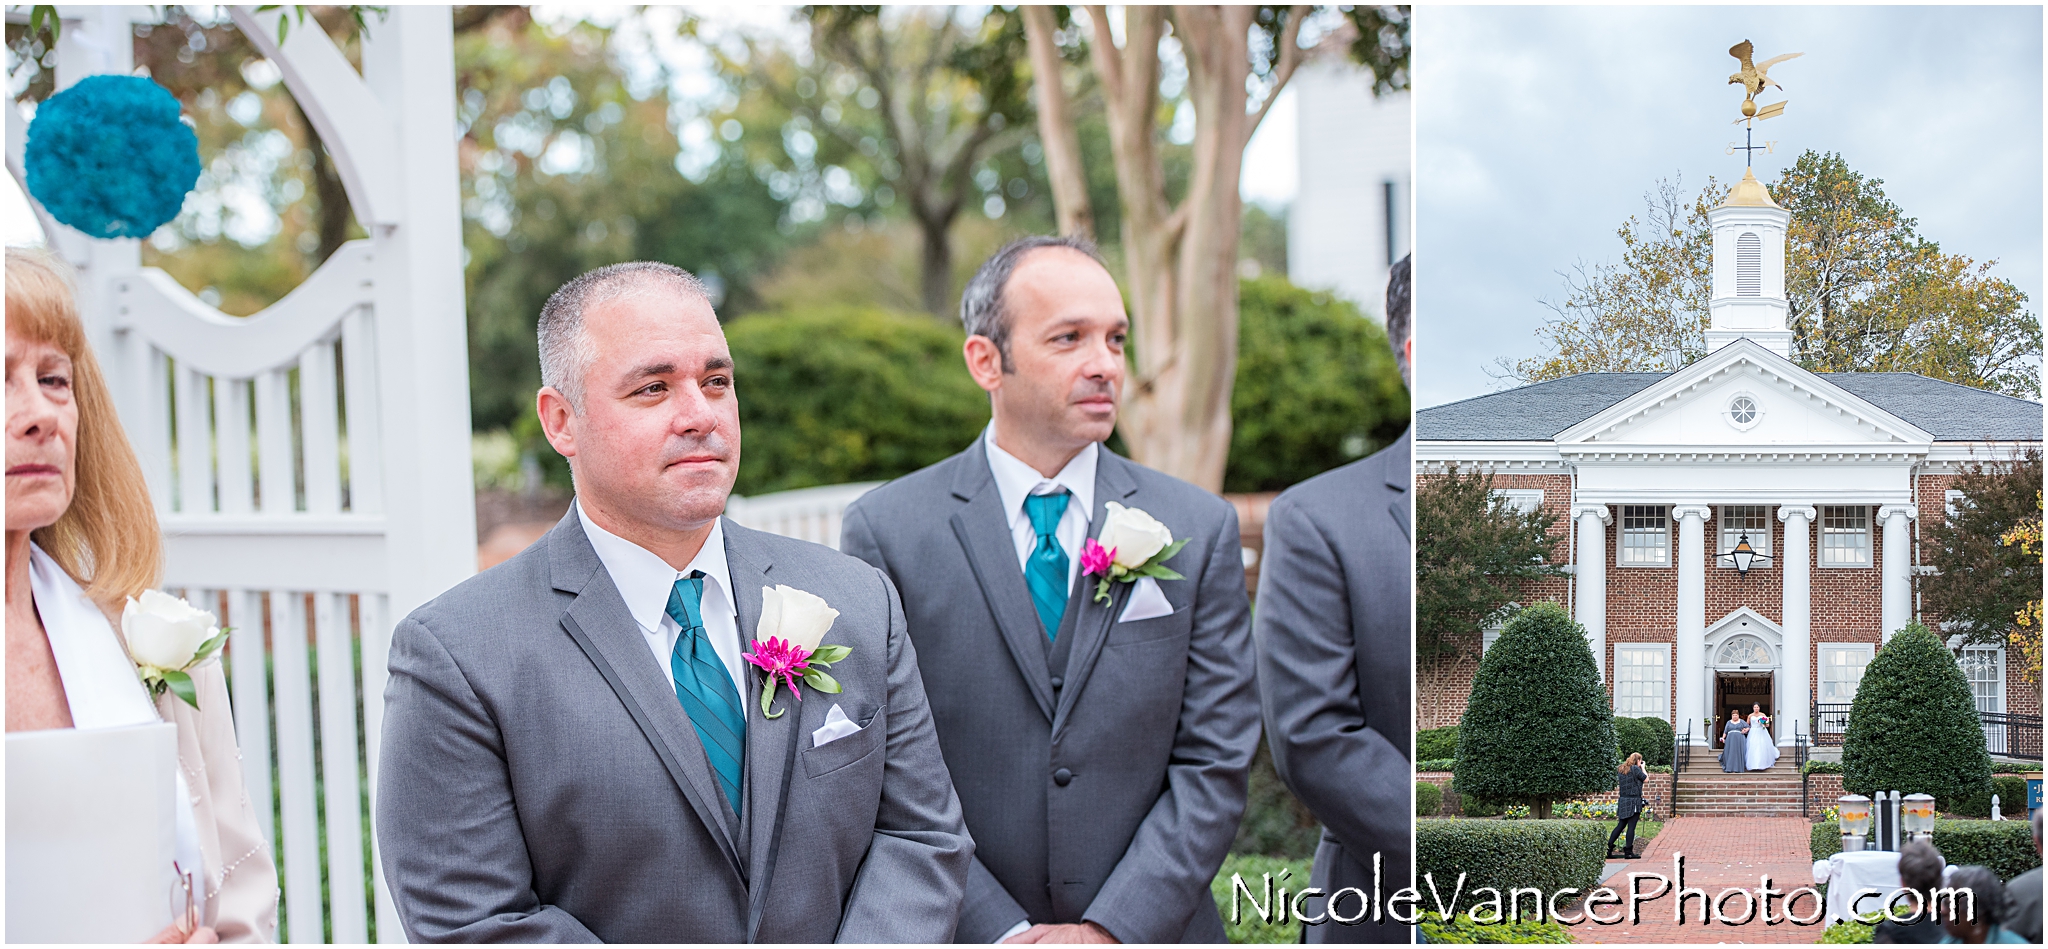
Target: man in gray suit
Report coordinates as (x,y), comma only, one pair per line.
(1334,634)
(1099,748)
(574,748)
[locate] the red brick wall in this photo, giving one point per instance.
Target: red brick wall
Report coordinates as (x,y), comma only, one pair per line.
(1822,791)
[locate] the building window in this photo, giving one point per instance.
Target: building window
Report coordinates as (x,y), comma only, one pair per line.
(1953,502)
(1744,651)
(1642,680)
(1749,266)
(1645,535)
(1521,500)
(1985,665)
(1841,669)
(1738,520)
(1845,536)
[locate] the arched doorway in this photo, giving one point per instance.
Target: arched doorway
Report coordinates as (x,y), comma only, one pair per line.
(1744,657)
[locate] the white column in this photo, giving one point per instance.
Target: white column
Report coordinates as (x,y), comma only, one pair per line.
(1898,580)
(1691,561)
(1590,573)
(1797,561)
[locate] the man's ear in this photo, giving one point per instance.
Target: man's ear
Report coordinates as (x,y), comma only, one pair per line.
(555,417)
(984,362)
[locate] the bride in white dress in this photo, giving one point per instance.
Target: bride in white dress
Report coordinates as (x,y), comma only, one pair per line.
(1763,752)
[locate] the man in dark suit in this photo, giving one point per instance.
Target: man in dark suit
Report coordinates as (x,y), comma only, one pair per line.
(1334,634)
(1100,748)
(574,750)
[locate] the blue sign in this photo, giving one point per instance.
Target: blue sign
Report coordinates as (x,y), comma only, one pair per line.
(2033,794)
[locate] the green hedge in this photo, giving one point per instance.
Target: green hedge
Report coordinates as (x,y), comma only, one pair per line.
(834,395)
(1472,805)
(1914,726)
(1436,764)
(2007,846)
(1436,744)
(1316,386)
(1822,767)
(1461,930)
(2016,767)
(1651,737)
(1848,932)
(1550,854)
(2012,798)
(1429,799)
(1249,928)
(1539,726)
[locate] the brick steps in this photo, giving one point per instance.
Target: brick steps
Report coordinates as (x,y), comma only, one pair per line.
(1704,789)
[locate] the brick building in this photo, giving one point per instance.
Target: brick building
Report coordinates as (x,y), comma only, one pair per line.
(1656,479)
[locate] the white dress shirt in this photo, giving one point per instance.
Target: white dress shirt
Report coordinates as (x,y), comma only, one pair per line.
(1015,480)
(644,581)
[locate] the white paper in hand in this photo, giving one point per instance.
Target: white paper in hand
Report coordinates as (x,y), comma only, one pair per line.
(836,726)
(1147,601)
(90,833)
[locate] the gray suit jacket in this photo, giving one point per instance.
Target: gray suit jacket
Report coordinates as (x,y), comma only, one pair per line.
(1107,794)
(1334,637)
(541,783)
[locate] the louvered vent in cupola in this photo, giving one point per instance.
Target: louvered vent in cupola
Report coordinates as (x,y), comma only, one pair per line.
(1749,266)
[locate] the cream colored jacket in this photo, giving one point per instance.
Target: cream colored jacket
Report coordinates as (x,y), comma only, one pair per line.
(241,879)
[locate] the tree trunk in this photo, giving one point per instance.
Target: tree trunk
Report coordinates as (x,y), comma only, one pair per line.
(1056,130)
(1180,263)
(935,275)
(1539,808)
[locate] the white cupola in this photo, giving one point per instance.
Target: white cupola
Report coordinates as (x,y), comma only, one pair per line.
(1748,297)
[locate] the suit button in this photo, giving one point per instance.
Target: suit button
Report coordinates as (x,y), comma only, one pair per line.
(1057,682)
(1062,777)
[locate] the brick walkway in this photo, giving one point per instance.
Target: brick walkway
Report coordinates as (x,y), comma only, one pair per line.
(1720,853)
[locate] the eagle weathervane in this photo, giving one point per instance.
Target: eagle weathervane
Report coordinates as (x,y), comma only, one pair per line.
(1754,77)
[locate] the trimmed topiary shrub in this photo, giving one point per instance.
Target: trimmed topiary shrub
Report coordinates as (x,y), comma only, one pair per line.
(1914,725)
(1550,854)
(2006,846)
(1650,736)
(1435,743)
(1429,799)
(837,395)
(2012,798)
(1537,728)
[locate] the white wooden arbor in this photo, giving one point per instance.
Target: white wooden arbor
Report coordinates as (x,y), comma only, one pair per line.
(310,464)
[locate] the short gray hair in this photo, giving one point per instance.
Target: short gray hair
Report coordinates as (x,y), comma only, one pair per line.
(565,350)
(982,311)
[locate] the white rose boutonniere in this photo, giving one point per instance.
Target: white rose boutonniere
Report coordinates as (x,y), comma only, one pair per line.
(786,644)
(167,639)
(1131,544)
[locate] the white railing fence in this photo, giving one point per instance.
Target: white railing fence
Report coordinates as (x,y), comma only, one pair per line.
(310,464)
(812,514)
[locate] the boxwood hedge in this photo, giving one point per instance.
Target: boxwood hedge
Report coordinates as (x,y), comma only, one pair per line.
(2006,846)
(1436,743)
(1428,799)
(1504,855)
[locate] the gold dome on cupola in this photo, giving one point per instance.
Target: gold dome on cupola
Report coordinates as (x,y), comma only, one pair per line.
(1749,193)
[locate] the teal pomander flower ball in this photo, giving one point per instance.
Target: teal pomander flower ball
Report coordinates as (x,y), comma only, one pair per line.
(109,157)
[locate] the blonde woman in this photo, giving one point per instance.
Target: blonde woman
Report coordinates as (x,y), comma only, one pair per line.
(81,539)
(1628,805)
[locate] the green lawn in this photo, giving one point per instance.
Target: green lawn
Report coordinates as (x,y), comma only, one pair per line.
(1249,928)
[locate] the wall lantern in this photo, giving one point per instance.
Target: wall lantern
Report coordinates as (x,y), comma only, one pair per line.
(1744,556)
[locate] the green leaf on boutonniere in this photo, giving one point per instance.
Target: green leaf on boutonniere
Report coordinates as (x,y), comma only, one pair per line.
(768,698)
(827,655)
(208,648)
(1160,571)
(1102,591)
(817,679)
(1167,554)
(181,686)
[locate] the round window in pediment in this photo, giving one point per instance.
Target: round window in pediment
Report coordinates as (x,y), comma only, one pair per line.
(1744,650)
(1744,411)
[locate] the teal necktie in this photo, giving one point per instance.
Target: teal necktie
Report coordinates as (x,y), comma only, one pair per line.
(1046,571)
(705,688)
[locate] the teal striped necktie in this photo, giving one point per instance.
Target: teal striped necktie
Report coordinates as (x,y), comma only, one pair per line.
(1046,570)
(706,689)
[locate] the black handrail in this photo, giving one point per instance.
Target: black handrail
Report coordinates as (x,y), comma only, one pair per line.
(1799,748)
(1681,755)
(2006,734)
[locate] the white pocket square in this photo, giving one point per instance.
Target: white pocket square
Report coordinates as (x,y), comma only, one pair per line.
(1147,601)
(836,726)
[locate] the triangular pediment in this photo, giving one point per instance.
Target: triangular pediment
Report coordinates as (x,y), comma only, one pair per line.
(1743,397)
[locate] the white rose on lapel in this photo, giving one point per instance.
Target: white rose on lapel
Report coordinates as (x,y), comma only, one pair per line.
(1133,534)
(794,616)
(167,637)
(1132,544)
(786,644)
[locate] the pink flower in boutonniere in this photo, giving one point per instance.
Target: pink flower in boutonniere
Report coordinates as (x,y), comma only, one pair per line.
(1095,559)
(1139,547)
(779,657)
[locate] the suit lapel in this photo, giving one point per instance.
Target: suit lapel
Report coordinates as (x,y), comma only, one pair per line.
(605,630)
(1091,628)
(771,743)
(984,532)
(1400,474)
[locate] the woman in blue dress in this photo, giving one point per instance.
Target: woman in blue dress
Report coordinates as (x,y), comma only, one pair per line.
(1734,748)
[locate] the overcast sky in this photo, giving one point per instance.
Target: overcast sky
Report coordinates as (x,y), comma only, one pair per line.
(1538,131)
